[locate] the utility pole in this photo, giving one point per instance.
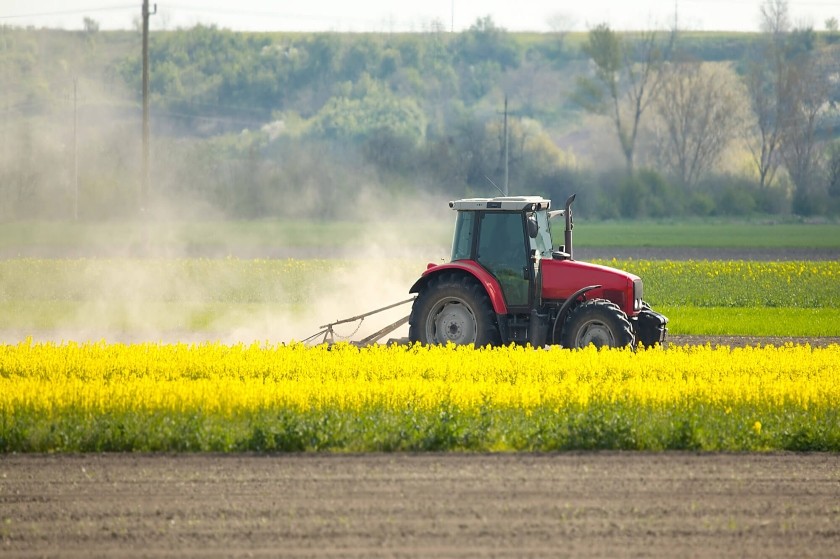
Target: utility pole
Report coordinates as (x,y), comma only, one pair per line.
(505,151)
(676,15)
(75,151)
(507,171)
(144,188)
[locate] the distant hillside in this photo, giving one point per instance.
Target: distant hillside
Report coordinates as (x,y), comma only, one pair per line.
(268,124)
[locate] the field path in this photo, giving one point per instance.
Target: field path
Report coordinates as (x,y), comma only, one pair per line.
(421,505)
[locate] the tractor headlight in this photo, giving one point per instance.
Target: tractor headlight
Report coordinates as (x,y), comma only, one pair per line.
(638,294)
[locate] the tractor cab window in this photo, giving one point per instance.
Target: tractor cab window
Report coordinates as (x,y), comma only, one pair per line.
(501,249)
(462,242)
(542,243)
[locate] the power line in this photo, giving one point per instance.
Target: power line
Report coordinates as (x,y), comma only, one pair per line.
(325,20)
(827,3)
(71,12)
(234,12)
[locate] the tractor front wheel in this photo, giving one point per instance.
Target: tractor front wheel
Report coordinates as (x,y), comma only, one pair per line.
(453,308)
(598,322)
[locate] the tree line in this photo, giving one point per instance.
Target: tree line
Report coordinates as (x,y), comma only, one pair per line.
(252,125)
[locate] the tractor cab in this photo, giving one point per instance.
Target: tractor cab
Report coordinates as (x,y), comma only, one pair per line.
(506,236)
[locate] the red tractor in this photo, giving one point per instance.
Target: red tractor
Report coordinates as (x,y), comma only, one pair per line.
(506,283)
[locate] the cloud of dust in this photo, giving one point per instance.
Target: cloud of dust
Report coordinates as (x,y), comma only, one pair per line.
(168,296)
(375,272)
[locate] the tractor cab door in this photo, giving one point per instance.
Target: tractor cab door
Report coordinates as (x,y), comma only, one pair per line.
(503,250)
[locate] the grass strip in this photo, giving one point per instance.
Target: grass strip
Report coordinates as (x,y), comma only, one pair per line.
(730,427)
(752,321)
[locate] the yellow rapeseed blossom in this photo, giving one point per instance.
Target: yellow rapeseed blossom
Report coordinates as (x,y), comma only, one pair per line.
(98,378)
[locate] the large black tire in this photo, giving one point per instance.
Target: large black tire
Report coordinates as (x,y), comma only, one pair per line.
(453,308)
(598,322)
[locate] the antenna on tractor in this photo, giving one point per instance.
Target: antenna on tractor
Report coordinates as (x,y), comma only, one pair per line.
(494,184)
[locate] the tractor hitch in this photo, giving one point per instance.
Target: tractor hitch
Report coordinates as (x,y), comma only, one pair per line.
(329,334)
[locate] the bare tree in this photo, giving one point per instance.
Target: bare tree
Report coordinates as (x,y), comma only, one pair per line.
(833,171)
(808,89)
(91,26)
(700,111)
(768,88)
(626,80)
(774,17)
(561,24)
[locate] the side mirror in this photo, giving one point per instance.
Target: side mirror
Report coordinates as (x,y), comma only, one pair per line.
(532,226)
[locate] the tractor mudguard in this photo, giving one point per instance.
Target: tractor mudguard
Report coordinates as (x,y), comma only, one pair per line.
(485,278)
(567,305)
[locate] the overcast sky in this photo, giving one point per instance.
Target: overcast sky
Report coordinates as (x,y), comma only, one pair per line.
(411,15)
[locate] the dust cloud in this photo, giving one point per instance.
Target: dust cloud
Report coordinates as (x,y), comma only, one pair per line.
(162,294)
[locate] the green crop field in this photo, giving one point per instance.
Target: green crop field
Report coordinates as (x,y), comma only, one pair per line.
(263,237)
(707,234)
(752,321)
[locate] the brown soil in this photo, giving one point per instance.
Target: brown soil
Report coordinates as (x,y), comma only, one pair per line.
(424,505)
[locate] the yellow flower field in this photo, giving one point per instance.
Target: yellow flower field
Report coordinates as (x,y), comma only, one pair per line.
(102,396)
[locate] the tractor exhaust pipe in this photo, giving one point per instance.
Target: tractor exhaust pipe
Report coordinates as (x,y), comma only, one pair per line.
(569,226)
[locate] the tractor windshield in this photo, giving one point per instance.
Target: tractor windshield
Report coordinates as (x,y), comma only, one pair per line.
(462,242)
(542,242)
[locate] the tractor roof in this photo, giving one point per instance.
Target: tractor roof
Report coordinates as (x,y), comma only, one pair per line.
(506,203)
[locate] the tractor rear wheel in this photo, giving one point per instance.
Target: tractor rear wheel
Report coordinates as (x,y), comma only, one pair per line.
(598,322)
(453,308)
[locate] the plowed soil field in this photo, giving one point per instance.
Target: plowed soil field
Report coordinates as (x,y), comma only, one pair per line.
(424,505)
